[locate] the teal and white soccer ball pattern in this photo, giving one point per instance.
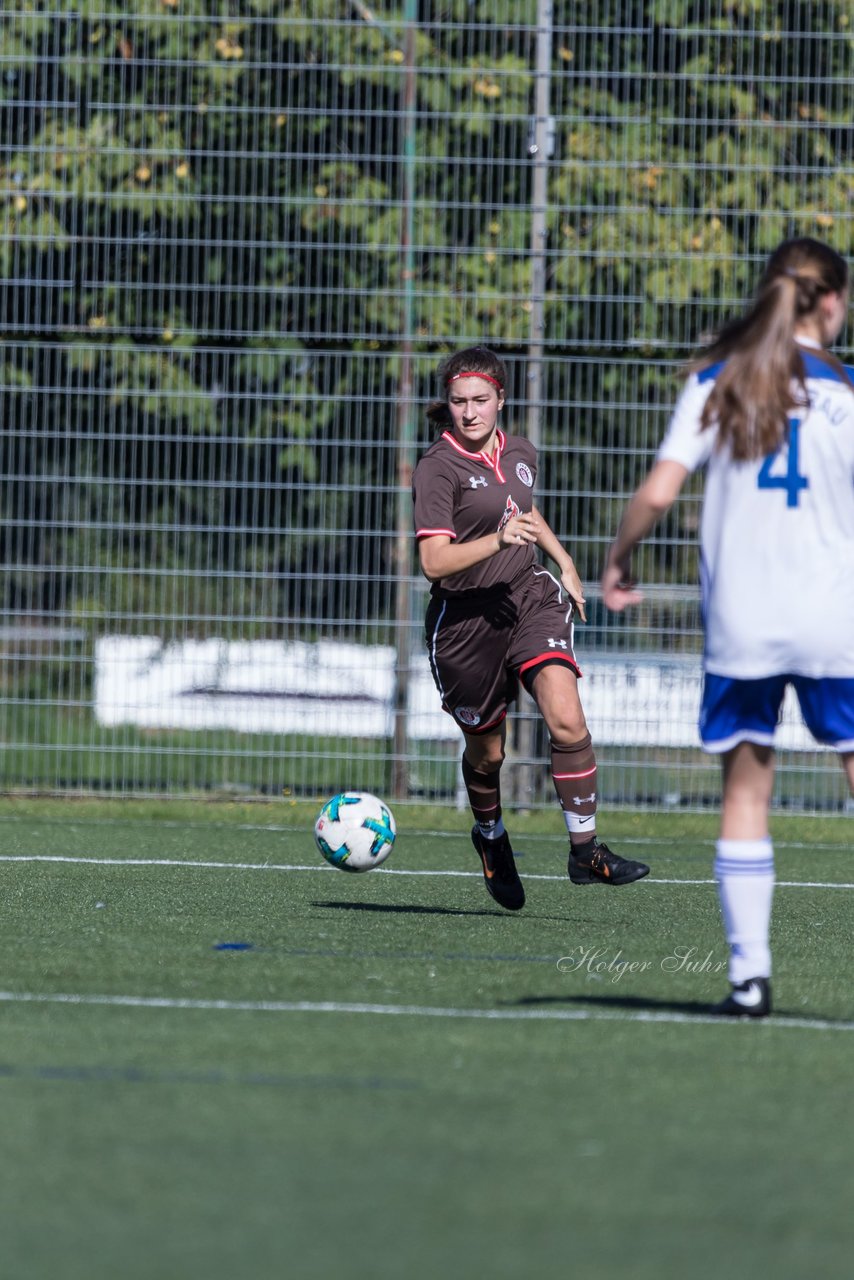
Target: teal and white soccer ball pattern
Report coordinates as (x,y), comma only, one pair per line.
(355,831)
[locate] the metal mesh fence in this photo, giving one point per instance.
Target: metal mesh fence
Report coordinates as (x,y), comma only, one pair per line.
(234,246)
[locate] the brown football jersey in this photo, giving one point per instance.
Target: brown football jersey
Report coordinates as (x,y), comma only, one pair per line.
(469,495)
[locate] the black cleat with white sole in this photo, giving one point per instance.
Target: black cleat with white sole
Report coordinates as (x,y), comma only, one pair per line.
(499,870)
(594,863)
(750,999)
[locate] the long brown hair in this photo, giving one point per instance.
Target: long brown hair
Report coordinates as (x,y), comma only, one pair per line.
(763,378)
(479,361)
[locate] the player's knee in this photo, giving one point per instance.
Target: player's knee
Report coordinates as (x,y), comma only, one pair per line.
(486,756)
(569,726)
(492,760)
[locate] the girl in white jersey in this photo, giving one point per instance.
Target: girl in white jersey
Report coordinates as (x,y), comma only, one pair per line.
(770,413)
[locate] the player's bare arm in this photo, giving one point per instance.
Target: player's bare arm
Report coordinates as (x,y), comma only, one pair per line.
(646,507)
(442,558)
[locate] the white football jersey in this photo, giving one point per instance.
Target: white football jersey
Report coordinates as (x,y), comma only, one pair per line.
(777,535)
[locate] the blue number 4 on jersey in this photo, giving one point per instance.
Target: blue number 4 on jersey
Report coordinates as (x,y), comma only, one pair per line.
(791,480)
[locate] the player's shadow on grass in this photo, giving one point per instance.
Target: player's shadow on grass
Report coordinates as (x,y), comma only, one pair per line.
(416,909)
(618,1001)
(406,909)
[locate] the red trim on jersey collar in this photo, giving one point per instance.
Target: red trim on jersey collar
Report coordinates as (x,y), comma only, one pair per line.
(494,462)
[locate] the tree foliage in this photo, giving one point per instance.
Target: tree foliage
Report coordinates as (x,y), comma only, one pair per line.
(223,232)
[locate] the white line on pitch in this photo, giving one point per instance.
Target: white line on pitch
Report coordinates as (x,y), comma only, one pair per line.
(322,869)
(305,833)
(406,1010)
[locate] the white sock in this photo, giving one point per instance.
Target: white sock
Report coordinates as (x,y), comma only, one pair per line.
(744,870)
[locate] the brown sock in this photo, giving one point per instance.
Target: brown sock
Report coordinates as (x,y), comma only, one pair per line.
(484,793)
(574,776)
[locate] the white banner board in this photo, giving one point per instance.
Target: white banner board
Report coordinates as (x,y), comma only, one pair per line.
(334,688)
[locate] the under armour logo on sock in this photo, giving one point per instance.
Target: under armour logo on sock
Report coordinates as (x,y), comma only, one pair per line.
(591,799)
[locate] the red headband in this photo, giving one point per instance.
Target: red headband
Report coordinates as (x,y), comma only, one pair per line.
(471,374)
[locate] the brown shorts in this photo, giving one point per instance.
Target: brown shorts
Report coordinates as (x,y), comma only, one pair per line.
(481,645)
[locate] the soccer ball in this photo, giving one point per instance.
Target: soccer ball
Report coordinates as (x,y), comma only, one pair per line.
(355,831)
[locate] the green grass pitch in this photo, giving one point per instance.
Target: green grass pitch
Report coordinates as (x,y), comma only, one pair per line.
(223,1058)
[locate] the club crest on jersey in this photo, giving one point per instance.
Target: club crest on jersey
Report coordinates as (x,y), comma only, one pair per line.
(467,715)
(474,481)
(511,509)
(523,471)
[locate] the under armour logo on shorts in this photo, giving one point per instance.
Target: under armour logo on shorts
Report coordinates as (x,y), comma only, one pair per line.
(556,644)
